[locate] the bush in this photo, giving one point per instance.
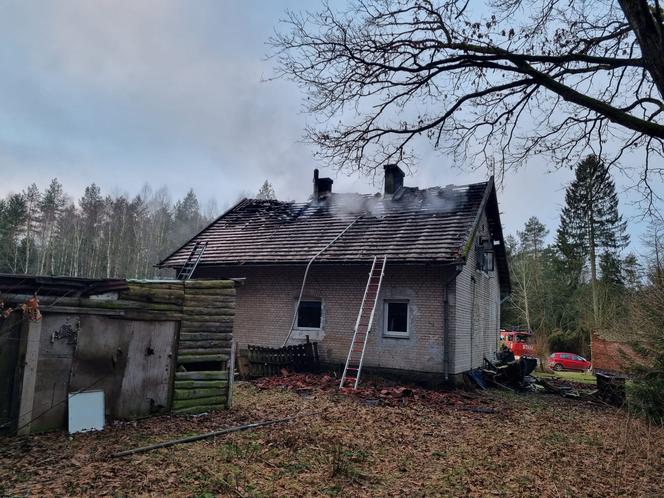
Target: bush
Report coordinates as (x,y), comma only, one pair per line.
(646,397)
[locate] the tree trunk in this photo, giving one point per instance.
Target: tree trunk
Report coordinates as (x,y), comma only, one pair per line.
(650,34)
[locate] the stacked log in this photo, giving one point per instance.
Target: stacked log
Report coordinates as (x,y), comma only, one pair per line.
(206,335)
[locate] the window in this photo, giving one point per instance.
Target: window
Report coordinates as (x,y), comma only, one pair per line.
(309,315)
(396,319)
(565,356)
(486,261)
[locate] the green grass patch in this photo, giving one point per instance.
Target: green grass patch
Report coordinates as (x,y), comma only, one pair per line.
(582,377)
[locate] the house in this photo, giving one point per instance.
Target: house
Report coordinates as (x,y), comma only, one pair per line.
(438,310)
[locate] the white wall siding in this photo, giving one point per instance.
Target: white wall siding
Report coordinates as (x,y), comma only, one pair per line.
(477,316)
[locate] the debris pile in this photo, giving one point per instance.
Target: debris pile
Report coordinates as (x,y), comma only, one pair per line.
(372,394)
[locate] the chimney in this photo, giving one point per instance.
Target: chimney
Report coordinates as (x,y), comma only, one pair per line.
(322,187)
(393,178)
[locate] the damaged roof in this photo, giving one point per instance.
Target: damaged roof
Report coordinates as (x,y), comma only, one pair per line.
(411,226)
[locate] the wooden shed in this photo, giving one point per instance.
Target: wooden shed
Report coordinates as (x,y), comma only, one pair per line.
(151,346)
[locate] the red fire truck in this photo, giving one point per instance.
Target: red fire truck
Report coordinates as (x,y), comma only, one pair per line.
(518,342)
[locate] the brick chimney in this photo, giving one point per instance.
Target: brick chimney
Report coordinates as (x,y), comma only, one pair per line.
(393,178)
(322,187)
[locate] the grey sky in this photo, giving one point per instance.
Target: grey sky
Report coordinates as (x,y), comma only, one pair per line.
(169,92)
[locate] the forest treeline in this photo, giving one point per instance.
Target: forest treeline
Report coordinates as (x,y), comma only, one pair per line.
(583,281)
(98,235)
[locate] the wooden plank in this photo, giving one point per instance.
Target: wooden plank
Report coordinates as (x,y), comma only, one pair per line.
(207,401)
(199,409)
(209,319)
(202,375)
(205,344)
(172,286)
(180,394)
(186,351)
(225,309)
(209,292)
(209,284)
(198,384)
(231,377)
(146,383)
(206,327)
(153,315)
(205,336)
(202,358)
(206,300)
(144,294)
(29,377)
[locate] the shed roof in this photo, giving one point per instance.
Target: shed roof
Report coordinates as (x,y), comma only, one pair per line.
(412,226)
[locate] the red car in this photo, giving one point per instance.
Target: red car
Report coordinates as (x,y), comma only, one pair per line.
(568,361)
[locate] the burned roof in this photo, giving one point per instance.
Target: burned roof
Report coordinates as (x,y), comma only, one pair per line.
(412,226)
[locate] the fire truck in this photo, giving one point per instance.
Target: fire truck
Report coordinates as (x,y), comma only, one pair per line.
(518,342)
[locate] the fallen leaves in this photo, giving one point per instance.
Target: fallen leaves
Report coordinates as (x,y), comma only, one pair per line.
(412,442)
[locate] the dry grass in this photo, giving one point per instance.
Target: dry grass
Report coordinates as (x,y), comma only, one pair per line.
(534,445)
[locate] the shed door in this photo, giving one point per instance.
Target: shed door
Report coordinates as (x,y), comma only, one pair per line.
(131,360)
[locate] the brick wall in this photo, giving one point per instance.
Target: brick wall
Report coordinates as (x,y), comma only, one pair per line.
(266,303)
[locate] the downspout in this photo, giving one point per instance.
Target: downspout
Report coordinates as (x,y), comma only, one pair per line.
(446,322)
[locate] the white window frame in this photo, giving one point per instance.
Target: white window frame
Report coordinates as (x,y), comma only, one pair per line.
(322,314)
(391,333)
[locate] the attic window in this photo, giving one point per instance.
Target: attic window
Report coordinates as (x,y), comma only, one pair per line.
(396,319)
(309,315)
(485,261)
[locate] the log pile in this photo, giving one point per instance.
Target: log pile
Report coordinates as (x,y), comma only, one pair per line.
(206,335)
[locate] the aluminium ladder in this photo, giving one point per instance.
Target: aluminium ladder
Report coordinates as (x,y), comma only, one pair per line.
(194,257)
(351,374)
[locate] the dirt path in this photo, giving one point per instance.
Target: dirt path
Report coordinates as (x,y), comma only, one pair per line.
(424,444)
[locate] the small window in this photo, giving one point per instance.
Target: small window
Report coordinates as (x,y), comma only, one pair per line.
(396,318)
(484,260)
(565,356)
(309,315)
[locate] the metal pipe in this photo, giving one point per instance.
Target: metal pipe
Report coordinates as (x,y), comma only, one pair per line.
(446,322)
(306,272)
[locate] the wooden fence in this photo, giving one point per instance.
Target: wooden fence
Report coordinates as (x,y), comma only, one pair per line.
(265,361)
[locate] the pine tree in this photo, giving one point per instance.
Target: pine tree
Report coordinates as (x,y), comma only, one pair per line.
(590,223)
(12,226)
(266,192)
(32,198)
(50,207)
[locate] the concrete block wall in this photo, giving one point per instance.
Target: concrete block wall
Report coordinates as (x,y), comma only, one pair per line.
(266,303)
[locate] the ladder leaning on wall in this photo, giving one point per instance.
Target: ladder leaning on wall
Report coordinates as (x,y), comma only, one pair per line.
(351,374)
(194,257)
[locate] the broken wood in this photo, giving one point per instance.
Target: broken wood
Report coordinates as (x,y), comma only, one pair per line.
(208,435)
